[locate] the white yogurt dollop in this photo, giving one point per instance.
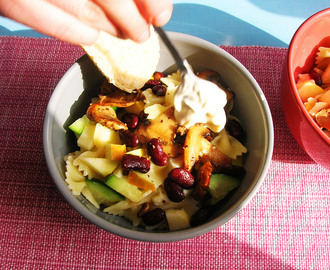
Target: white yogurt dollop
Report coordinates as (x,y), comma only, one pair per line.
(200,101)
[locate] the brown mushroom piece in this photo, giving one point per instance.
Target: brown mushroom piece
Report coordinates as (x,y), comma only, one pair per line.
(204,174)
(197,147)
(164,128)
(105,115)
(113,96)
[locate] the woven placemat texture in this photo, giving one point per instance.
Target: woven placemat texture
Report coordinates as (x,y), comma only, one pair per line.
(285,226)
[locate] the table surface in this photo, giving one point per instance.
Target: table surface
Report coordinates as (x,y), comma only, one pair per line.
(285,226)
(237,22)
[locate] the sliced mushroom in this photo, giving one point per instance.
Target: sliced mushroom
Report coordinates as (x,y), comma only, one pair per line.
(113,96)
(105,115)
(217,158)
(197,147)
(204,174)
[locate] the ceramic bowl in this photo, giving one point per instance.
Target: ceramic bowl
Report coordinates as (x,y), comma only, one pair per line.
(72,96)
(312,34)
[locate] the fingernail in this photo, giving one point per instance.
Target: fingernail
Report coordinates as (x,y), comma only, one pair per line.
(145,35)
(162,18)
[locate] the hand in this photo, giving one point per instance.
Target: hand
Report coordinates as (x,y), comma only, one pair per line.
(79,21)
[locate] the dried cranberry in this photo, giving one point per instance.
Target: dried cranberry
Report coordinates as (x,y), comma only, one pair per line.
(150,84)
(131,120)
(235,129)
(156,152)
(158,75)
(130,138)
(182,177)
(154,216)
(173,190)
(135,163)
(159,90)
(201,216)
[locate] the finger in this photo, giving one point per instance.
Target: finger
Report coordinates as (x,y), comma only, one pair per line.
(157,12)
(127,18)
(49,20)
(88,12)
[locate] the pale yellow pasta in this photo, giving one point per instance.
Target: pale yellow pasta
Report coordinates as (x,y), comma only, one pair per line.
(132,215)
(76,187)
(229,145)
(123,205)
(79,162)
(73,177)
(154,110)
(128,209)
(160,197)
(89,196)
(118,207)
(172,81)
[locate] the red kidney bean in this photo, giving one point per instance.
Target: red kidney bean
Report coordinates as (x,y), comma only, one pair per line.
(154,216)
(173,190)
(130,138)
(182,177)
(135,163)
(235,129)
(131,120)
(156,152)
(159,90)
(201,216)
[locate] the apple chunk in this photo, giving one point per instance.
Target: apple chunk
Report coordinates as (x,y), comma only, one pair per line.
(85,140)
(102,166)
(177,219)
(104,135)
(115,151)
(139,180)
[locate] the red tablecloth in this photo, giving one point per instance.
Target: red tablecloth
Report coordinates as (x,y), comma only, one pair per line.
(285,226)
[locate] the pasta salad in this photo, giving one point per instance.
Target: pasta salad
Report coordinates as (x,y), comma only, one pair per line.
(135,161)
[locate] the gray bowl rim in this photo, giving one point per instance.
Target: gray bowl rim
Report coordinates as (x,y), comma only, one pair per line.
(151,236)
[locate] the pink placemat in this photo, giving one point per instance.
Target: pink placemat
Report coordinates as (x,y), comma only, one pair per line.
(285,226)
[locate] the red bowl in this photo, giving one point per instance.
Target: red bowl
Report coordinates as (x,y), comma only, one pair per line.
(313,33)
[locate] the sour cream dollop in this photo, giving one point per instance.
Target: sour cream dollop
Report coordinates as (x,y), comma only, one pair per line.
(200,101)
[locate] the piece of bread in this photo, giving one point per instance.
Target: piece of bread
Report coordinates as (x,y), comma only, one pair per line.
(125,63)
